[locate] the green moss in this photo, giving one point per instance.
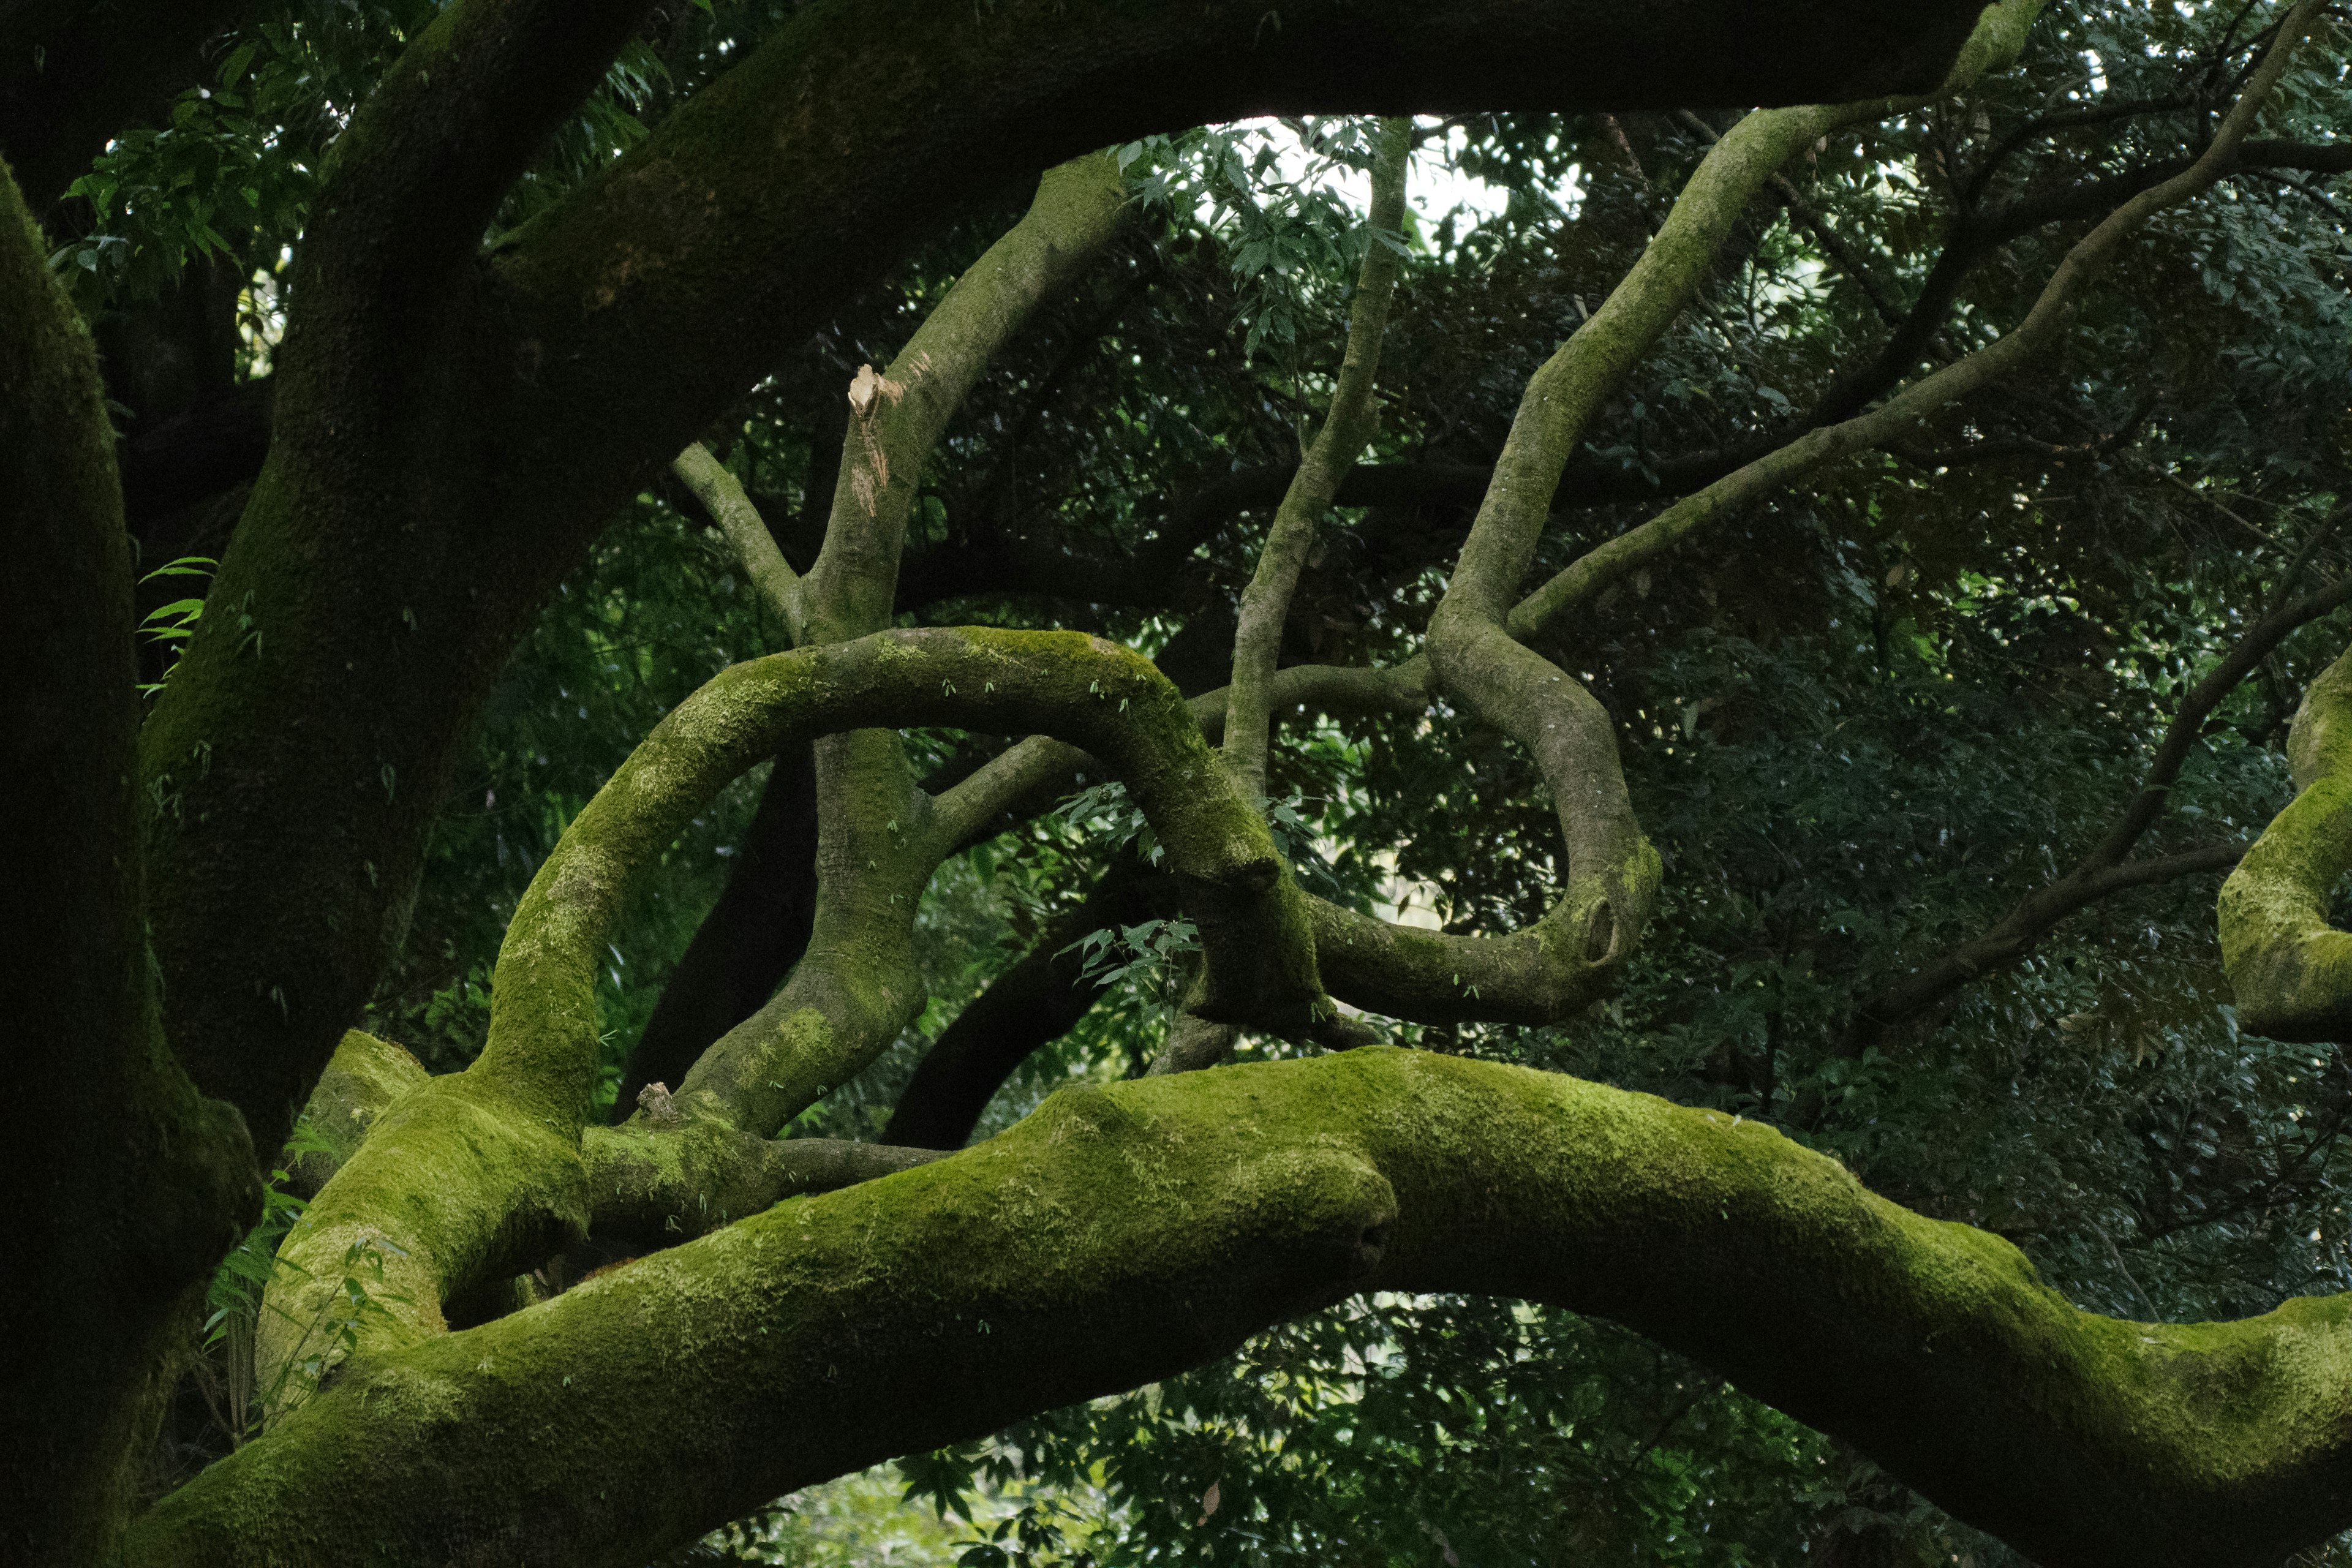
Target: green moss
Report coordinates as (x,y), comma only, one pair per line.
(366,1076)
(2292,972)
(1123,1232)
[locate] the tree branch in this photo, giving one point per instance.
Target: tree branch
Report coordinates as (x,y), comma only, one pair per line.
(749,941)
(1121,1235)
(721,495)
(2291,969)
(502,1138)
(2044,325)
(1347,430)
(1030,1005)
(2015,934)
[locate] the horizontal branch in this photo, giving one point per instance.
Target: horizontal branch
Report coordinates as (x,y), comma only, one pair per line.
(1121,1235)
(656,1185)
(853,131)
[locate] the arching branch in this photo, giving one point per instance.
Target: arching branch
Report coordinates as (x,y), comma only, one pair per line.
(1119,1236)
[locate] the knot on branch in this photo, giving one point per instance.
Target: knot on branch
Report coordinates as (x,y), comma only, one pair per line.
(660,1109)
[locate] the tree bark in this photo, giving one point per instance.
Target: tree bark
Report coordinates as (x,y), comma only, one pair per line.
(124,1184)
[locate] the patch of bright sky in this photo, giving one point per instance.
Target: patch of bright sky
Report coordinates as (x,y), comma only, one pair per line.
(1434,186)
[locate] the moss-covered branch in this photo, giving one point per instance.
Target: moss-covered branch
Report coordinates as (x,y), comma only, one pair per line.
(656,1185)
(452,430)
(1120,1235)
(472,1177)
(2291,969)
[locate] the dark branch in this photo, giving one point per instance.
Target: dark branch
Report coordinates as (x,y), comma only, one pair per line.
(1031,1004)
(2104,871)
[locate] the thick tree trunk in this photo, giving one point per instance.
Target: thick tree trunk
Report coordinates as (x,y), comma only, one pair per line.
(123,1186)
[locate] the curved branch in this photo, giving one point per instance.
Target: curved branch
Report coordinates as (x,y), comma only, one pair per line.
(2291,969)
(749,941)
(800,172)
(2044,325)
(1477,652)
(896,417)
(1031,1004)
(1347,430)
(502,1139)
(1120,1235)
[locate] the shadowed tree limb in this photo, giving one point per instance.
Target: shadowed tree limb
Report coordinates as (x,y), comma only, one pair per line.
(747,943)
(1121,1235)
(127,1184)
(2015,935)
(1030,1005)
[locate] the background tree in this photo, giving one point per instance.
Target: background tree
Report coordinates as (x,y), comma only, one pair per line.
(1932,762)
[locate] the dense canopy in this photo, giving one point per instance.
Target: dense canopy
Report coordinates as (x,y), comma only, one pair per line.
(1363,783)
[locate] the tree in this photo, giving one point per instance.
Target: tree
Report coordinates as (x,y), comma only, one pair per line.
(215,886)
